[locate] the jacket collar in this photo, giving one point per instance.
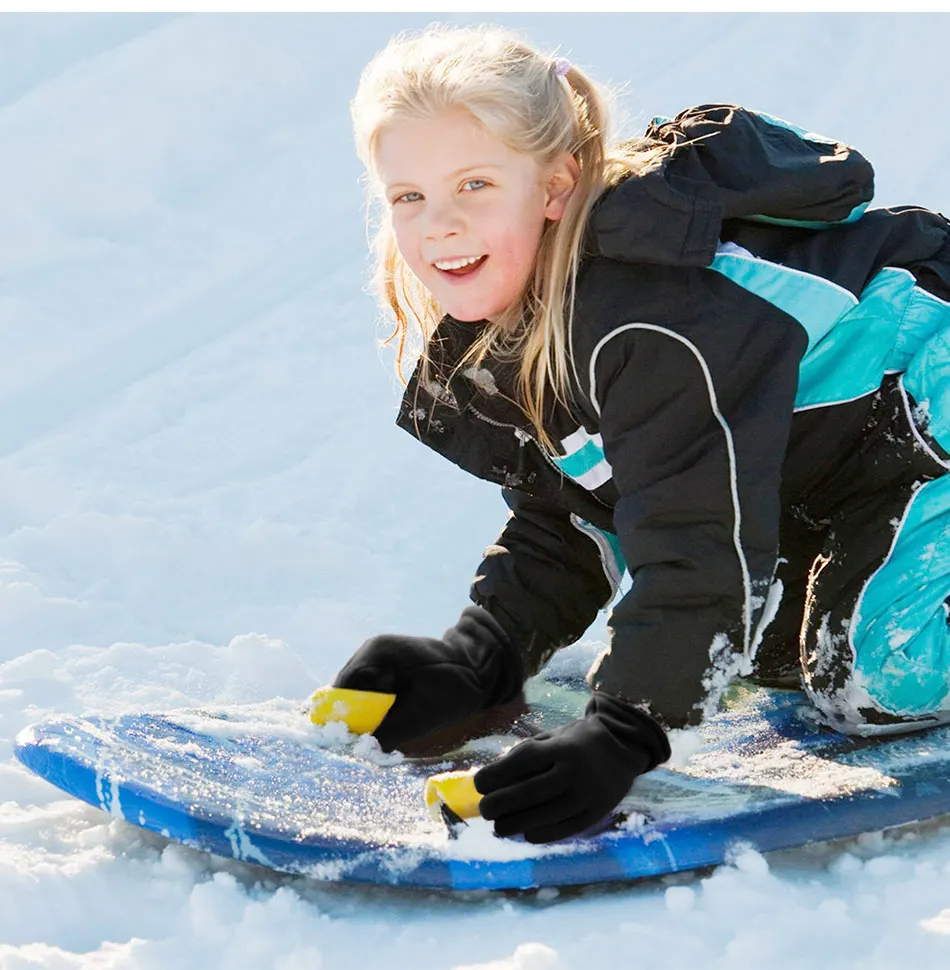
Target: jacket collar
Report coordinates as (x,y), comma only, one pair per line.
(486,387)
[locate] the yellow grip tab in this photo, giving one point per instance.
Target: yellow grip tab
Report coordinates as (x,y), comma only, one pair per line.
(456,789)
(361,711)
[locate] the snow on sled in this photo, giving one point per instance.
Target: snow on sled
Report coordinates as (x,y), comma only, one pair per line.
(260,783)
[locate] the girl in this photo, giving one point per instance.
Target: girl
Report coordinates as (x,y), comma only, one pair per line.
(694,356)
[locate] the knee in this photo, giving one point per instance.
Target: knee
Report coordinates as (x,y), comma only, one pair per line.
(883,681)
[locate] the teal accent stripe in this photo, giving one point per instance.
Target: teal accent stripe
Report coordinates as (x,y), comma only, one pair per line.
(581,461)
(891,330)
(788,126)
(814,302)
(899,631)
(614,543)
(853,342)
(927,374)
(853,216)
(608,548)
(853,357)
(922,315)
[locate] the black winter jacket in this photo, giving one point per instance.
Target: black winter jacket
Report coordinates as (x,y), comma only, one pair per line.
(715,341)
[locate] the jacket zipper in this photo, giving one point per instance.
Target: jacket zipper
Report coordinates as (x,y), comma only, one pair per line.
(524,437)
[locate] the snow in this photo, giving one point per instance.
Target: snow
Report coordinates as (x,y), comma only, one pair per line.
(204,501)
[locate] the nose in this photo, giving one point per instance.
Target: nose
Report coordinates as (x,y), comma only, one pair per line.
(443,219)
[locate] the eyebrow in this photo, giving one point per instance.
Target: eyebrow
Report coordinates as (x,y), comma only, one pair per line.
(456,174)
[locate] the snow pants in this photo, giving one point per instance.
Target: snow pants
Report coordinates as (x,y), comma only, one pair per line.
(864,620)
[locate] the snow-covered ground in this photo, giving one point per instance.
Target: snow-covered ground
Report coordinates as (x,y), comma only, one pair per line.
(203,498)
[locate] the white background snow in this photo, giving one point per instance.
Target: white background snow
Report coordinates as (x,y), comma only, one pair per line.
(203,497)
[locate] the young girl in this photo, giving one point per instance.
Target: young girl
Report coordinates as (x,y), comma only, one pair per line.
(694,356)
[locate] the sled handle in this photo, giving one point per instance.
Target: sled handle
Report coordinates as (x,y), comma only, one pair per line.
(456,791)
(361,711)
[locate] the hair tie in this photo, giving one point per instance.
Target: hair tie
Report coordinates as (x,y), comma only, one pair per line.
(561,66)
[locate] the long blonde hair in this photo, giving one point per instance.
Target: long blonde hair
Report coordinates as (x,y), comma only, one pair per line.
(513,91)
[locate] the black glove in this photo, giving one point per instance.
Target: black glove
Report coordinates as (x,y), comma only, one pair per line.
(436,682)
(563,781)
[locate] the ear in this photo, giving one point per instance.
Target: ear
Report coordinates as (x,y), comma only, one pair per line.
(560,183)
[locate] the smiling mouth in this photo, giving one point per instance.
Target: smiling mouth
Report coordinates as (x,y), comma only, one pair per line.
(465,270)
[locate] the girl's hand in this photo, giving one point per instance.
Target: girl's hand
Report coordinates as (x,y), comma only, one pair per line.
(563,781)
(436,682)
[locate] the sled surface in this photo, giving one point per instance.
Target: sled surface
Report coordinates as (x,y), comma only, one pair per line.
(261,784)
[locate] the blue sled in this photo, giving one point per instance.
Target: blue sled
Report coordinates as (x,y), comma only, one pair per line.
(262,785)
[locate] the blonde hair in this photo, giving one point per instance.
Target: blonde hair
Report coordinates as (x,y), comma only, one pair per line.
(513,91)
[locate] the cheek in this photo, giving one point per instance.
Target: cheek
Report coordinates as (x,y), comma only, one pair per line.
(517,249)
(408,244)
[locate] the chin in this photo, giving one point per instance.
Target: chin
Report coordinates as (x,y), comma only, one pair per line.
(464,315)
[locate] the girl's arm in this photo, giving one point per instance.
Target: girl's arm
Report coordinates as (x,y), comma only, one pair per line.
(543,579)
(695,419)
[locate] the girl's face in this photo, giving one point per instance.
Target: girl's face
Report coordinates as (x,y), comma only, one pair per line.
(454,192)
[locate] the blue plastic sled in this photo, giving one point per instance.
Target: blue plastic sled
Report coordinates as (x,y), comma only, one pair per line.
(263,785)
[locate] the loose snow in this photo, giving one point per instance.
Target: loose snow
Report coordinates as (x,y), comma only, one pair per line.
(204,501)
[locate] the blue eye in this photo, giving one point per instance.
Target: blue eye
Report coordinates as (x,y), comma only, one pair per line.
(405,195)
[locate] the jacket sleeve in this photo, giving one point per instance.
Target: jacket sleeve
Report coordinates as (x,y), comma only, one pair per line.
(725,162)
(545,577)
(695,426)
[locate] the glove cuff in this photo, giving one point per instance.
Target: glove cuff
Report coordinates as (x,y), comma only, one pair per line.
(491,654)
(631,727)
